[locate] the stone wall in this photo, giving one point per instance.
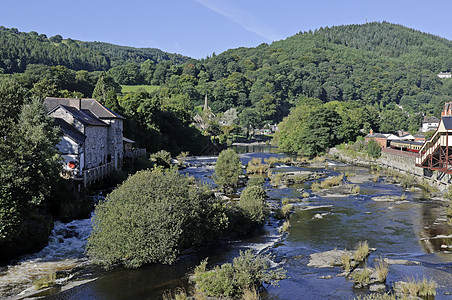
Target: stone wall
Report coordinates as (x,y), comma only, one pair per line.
(400,163)
(95,146)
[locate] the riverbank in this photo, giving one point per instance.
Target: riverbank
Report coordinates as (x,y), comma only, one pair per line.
(409,229)
(398,162)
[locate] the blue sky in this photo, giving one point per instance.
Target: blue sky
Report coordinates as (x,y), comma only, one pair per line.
(197,28)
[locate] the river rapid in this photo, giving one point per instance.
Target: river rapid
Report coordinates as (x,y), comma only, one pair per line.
(414,229)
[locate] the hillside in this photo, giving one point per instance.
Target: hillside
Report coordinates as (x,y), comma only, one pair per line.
(20,49)
(119,55)
(380,64)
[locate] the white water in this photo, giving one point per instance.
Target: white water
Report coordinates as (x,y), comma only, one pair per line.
(65,251)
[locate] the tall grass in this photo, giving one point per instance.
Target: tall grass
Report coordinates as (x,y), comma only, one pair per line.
(362,251)
(345,260)
(327,183)
(285,227)
(381,269)
(424,288)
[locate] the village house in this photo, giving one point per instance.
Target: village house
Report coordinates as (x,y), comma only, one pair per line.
(92,145)
(445,75)
(429,123)
(380,138)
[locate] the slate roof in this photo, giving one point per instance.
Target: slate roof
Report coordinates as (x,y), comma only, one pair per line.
(431,120)
(447,121)
(70,131)
(376,135)
(84,117)
(92,105)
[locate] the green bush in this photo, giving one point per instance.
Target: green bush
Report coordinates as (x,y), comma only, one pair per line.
(255,181)
(162,158)
(151,216)
(373,149)
(252,204)
(232,280)
(228,169)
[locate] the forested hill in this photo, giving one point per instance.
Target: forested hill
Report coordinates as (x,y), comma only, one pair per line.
(120,55)
(386,39)
(20,49)
(379,64)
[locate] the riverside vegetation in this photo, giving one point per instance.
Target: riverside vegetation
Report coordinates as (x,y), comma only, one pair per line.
(170,213)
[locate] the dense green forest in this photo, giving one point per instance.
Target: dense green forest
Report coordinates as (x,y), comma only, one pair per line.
(20,49)
(388,69)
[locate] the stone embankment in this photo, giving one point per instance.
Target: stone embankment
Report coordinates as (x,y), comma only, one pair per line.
(401,162)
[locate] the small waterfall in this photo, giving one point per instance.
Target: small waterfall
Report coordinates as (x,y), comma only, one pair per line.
(64,252)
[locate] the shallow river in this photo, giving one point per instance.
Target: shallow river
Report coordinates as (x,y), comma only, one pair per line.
(409,230)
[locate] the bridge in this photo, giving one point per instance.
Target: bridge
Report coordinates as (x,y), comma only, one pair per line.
(436,153)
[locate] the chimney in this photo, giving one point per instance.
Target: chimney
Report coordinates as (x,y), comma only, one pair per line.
(371,132)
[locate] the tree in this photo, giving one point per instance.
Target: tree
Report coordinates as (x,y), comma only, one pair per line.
(29,166)
(151,217)
(373,149)
(104,85)
(227,170)
(252,204)
(310,129)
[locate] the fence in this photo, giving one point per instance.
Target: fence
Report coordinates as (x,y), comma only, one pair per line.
(96,173)
(135,153)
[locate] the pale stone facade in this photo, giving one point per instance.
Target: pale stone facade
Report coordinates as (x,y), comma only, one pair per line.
(93,135)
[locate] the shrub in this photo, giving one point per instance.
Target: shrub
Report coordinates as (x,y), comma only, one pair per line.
(271,161)
(151,216)
(227,169)
(373,149)
(284,211)
(255,181)
(376,296)
(305,195)
(162,158)
(246,272)
(362,278)
(355,189)
(252,204)
(255,166)
(276,179)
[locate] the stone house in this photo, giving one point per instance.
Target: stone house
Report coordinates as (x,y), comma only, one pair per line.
(380,138)
(92,144)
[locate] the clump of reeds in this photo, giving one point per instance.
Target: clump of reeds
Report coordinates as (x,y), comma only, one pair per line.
(284,211)
(285,227)
(362,278)
(345,260)
(381,269)
(362,251)
(255,166)
(424,288)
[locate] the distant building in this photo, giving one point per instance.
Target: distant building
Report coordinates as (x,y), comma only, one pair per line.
(419,138)
(407,137)
(445,75)
(429,123)
(380,138)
